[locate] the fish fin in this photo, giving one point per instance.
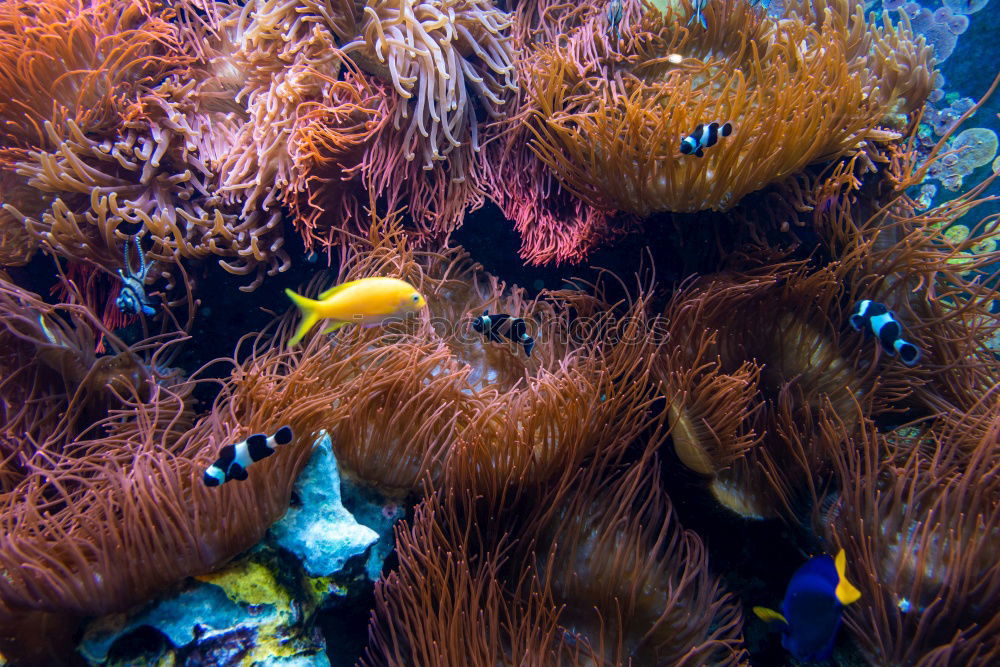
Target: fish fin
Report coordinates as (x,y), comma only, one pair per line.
(846,592)
(769,615)
(283,435)
(214,476)
(909,353)
(333,327)
(702,21)
(148,310)
(309,316)
(326,294)
(700,153)
(237,472)
(494,336)
(529,345)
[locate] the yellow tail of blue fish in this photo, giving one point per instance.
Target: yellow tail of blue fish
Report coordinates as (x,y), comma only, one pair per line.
(846,591)
(309,315)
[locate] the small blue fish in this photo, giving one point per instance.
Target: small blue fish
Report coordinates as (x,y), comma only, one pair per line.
(704,136)
(498,326)
(234,459)
(763,4)
(614,21)
(132,297)
(813,605)
(699,7)
(883,323)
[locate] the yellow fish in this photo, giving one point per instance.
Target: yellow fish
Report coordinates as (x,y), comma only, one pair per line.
(368,302)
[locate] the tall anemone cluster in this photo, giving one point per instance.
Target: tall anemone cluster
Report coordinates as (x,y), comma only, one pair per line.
(607,118)
(132,146)
(437,395)
(546,489)
(603,575)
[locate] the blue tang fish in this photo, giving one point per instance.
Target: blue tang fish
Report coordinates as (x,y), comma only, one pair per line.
(811,611)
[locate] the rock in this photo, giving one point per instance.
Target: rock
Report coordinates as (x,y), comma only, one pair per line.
(239,615)
(320,531)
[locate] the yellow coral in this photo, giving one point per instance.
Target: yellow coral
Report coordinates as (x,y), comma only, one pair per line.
(249,582)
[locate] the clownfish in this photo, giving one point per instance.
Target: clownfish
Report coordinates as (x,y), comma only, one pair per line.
(887,329)
(234,460)
(811,611)
(368,302)
(498,326)
(704,136)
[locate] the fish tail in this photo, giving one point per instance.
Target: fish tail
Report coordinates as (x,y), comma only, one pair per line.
(702,21)
(846,592)
(309,315)
(529,344)
(769,615)
(908,352)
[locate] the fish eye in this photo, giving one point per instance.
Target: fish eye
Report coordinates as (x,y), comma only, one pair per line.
(416,298)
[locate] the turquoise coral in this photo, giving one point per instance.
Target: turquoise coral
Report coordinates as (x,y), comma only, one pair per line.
(319,530)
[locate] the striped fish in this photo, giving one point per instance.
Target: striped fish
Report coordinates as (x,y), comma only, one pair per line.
(498,326)
(234,460)
(887,329)
(703,137)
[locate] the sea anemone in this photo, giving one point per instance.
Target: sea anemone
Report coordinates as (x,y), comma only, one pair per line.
(446,59)
(152,169)
(917,513)
(808,88)
(451,66)
(589,570)
(68,60)
(942,286)
(436,393)
(288,55)
(102,502)
(756,358)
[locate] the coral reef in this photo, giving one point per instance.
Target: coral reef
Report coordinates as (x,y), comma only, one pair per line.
(971,149)
(320,531)
(792,349)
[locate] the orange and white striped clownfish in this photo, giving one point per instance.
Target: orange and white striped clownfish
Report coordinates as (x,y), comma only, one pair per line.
(234,460)
(704,136)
